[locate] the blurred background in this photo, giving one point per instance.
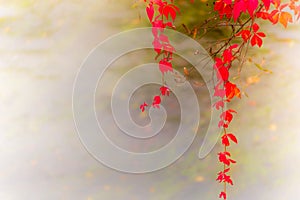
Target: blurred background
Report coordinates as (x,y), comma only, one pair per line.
(42,45)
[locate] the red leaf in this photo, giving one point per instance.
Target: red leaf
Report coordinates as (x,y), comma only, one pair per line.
(171,10)
(256,40)
(150,12)
(232,137)
(267,4)
(246,34)
(242,6)
(169,24)
(224,158)
(223,195)
(163,38)
(227,55)
(223,177)
(225,140)
(226,170)
(263,15)
(231,91)
(221,123)
(165,66)
(158,24)
(219,92)
(252,5)
(261,34)
(239,7)
(255,27)
(274,16)
(223,73)
(142,107)
(157,45)
(227,116)
(156,101)
(164,91)
(228,2)
(219,104)
(234,46)
(227,179)
(223,9)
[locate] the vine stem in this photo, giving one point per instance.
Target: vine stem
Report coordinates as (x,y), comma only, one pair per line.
(225,149)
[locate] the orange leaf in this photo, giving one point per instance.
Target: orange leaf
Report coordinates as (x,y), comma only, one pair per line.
(284,18)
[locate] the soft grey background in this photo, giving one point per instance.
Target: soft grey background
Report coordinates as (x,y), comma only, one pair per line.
(42,45)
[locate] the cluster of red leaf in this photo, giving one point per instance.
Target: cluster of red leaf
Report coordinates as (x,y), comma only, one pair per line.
(223,177)
(161,14)
(226,91)
(281,12)
(234,9)
(164,91)
(254,36)
(271,10)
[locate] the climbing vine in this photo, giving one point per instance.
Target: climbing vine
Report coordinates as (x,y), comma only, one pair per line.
(242,17)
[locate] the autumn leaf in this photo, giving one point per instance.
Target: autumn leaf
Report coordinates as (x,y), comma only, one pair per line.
(256,38)
(157,45)
(232,90)
(163,38)
(225,140)
(281,16)
(219,104)
(284,18)
(156,101)
(226,117)
(223,177)
(222,195)
(165,66)
(226,137)
(169,10)
(251,7)
(164,90)
(223,9)
(232,137)
(224,157)
(223,73)
(227,56)
(245,34)
(256,41)
(150,12)
(239,6)
(219,92)
(228,179)
(267,4)
(142,107)
(263,15)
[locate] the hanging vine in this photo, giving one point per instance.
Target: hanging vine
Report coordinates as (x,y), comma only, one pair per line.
(241,16)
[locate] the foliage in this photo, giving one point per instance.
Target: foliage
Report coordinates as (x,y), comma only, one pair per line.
(241,18)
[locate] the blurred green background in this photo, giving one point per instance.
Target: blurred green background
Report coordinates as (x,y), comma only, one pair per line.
(43,44)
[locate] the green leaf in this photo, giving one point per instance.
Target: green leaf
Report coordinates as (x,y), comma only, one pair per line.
(261,68)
